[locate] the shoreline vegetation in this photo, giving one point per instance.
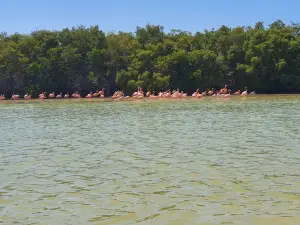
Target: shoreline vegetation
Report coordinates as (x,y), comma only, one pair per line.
(264,59)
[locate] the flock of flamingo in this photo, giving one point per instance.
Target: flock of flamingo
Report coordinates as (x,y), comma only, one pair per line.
(118,95)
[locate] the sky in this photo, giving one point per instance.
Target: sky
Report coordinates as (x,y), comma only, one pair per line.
(25,16)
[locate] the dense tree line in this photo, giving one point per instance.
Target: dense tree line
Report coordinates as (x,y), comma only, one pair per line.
(263,59)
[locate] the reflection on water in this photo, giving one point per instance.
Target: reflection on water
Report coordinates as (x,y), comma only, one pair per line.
(151,162)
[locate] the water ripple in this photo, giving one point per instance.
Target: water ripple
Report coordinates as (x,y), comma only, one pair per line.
(151,162)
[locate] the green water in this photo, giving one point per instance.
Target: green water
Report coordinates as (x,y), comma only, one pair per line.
(151,162)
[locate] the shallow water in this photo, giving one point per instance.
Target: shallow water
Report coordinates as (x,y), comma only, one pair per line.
(151,162)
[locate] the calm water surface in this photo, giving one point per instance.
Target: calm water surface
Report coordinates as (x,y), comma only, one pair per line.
(151,162)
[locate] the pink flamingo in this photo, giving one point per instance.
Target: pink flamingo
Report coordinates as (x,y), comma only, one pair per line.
(27,96)
(90,95)
(42,95)
(52,95)
(101,93)
(96,94)
(245,93)
(76,95)
(15,97)
(59,95)
(227,95)
(195,94)
(237,92)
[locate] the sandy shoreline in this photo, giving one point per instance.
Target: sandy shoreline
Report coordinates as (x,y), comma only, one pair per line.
(108,99)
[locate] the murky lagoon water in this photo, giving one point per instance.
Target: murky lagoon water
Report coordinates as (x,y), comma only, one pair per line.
(151,162)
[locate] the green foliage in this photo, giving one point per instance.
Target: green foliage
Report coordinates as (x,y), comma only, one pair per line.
(266,59)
